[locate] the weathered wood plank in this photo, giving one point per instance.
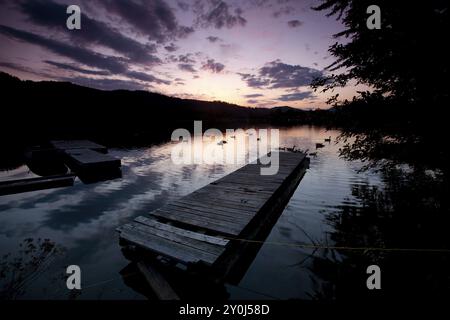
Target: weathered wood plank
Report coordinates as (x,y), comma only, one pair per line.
(246,187)
(196,221)
(177,251)
(208,212)
(178,238)
(222,204)
(193,235)
(232,197)
(207,217)
(233,211)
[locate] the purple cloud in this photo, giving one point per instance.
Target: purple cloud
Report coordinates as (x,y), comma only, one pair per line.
(213,39)
(219,15)
(106,84)
(253,95)
(171,47)
(212,66)
(276,74)
(296,96)
(295,23)
(187,67)
(114,65)
(154,19)
(52,15)
(71,67)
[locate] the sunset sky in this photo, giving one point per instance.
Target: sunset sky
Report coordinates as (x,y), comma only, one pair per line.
(258,53)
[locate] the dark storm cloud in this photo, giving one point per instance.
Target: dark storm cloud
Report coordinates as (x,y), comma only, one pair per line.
(276,74)
(171,47)
(154,19)
(183,5)
(186,58)
(295,23)
(146,77)
(92,59)
(218,14)
(296,96)
(78,54)
(212,66)
(254,95)
(17,67)
(213,39)
(71,67)
(254,81)
(12,65)
(187,67)
(53,15)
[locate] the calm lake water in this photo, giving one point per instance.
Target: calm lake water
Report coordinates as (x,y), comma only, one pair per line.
(81,220)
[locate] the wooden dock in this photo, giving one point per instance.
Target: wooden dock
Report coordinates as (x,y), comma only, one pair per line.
(87,159)
(38,183)
(214,226)
(64,145)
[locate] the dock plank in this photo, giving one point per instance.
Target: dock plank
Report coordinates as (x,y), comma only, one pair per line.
(177,238)
(194,235)
(173,249)
(209,212)
(215,225)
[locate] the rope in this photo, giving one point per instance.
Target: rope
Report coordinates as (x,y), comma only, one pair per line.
(315,246)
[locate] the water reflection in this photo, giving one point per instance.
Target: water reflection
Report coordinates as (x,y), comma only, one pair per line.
(20,172)
(334,205)
(26,265)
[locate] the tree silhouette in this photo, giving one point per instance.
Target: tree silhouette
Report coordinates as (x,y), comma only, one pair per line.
(407,59)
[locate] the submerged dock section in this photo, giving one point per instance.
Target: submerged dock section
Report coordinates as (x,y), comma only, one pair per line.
(215,226)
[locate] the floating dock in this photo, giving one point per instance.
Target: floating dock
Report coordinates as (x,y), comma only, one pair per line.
(86,159)
(215,226)
(84,156)
(64,145)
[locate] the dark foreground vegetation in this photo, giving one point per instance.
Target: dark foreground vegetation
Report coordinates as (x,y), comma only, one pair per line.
(405,63)
(400,128)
